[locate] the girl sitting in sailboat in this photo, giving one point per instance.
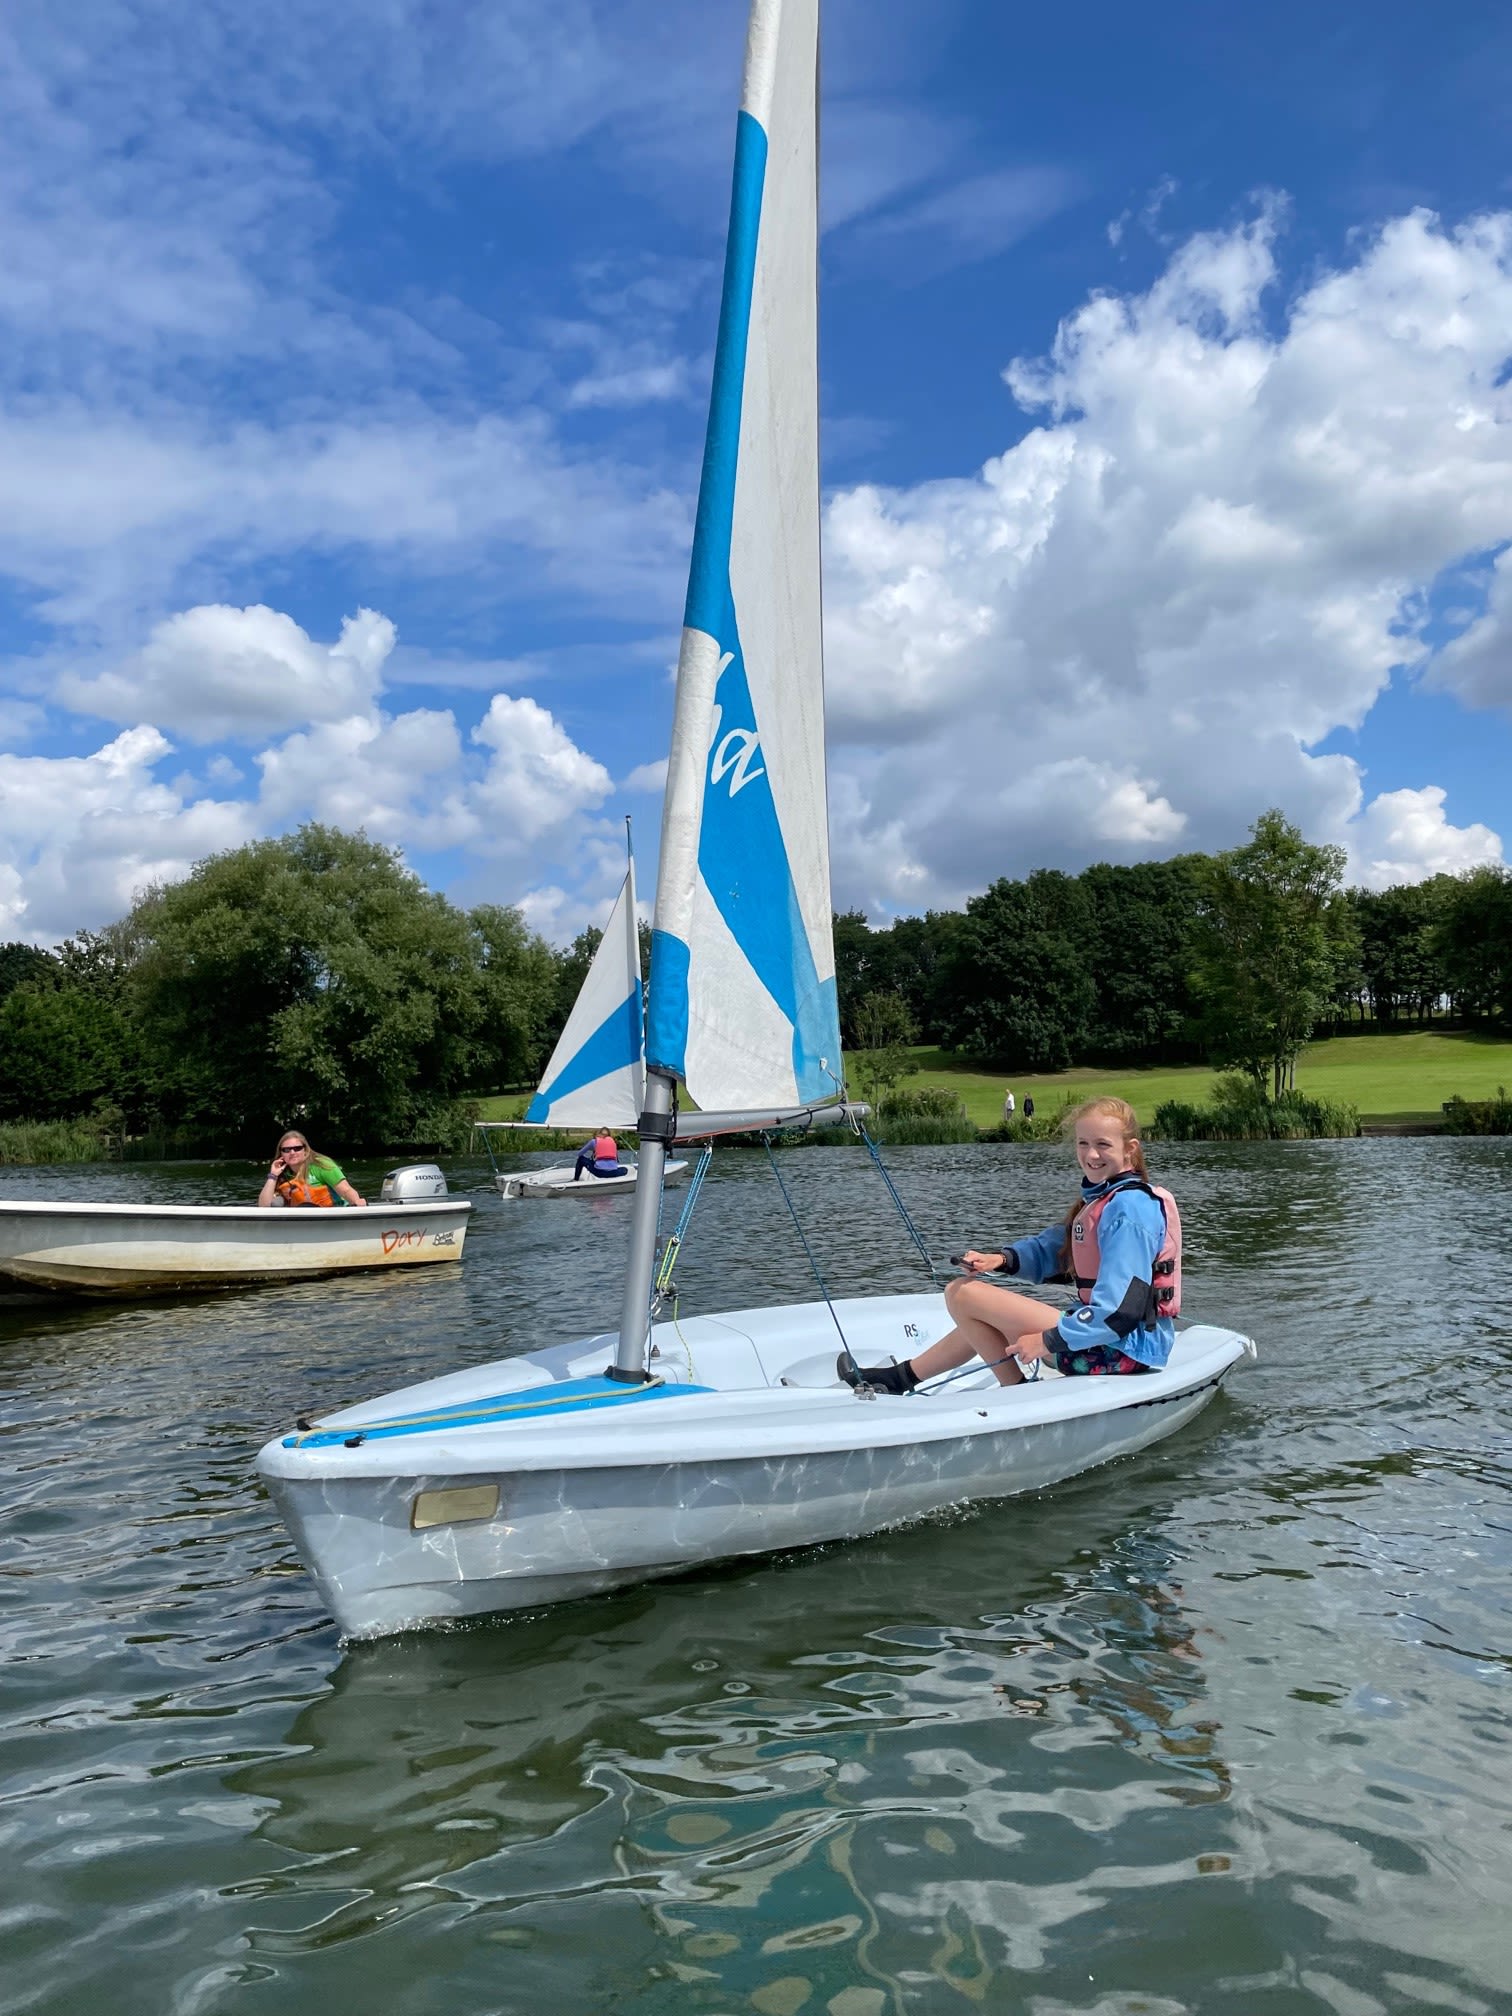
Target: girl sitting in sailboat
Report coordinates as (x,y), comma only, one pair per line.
(598,1157)
(1120,1247)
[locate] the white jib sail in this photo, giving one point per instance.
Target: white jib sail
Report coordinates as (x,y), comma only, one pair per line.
(742,977)
(597,1073)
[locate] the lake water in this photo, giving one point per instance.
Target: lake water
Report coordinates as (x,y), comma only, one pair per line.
(1223,1728)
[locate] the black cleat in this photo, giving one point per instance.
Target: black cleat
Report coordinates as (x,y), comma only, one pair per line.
(880,1378)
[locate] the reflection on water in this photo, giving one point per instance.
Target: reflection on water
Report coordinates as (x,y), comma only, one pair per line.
(1218,1729)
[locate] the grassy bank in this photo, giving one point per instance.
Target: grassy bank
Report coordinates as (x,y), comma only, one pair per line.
(23,1141)
(1388,1079)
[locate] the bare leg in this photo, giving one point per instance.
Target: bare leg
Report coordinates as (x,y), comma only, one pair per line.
(994,1323)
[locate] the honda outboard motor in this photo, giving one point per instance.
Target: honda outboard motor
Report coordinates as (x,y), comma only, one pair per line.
(417,1183)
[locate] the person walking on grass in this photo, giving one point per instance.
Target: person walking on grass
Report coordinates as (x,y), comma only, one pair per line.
(1120,1246)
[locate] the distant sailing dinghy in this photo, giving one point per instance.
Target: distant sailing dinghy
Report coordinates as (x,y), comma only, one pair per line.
(597,1074)
(661,1446)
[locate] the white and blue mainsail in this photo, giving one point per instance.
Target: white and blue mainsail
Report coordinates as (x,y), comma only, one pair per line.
(743,1004)
(597,1073)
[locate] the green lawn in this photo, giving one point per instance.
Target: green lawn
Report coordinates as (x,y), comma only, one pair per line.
(1389,1078)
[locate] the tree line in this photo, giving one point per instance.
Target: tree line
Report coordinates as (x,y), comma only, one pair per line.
(315,978)
(312,977)
(1234,959)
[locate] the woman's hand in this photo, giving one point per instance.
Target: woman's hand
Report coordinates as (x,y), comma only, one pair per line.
(981,1263)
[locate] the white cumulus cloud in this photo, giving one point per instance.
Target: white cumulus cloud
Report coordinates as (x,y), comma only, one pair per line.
(538,781)
(217,674)
(1126,634)
(82,836)
(1477,664)
(1403,836)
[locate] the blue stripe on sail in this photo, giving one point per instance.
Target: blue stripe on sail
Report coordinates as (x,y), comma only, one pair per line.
(744,865)
(667,1013)
(741,854)
(615,1044)
(709,573)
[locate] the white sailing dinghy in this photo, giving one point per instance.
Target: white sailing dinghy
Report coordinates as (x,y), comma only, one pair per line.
(597,1073)
(654,1448)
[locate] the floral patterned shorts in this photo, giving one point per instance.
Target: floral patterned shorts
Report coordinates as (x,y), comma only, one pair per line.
(1095,1359)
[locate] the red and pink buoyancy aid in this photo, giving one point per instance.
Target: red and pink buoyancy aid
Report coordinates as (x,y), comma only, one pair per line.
(1165,1289)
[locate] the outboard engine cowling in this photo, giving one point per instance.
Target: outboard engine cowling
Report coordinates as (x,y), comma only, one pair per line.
(417,1183)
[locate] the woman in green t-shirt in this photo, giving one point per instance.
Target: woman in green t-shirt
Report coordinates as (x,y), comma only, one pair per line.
(301,1178)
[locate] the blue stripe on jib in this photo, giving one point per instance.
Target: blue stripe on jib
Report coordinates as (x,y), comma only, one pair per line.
(615,1043)
(709,573)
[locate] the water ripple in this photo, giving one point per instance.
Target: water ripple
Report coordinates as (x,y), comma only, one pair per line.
(1221,1729)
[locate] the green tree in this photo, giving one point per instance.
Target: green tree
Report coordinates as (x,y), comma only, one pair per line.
(855,943)
(1272,929)
(25,965)
(63,1052)
(1017,987)
(1139,954)
(1401,966)
(315,976)
(519,977)
(878,1056)
(1473,940)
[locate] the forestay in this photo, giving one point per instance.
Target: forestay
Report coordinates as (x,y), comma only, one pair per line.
(742,978)
(597,1076)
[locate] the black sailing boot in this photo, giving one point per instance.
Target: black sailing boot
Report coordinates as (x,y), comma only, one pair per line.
(880,1378)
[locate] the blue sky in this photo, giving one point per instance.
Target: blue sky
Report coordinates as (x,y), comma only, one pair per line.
(352,370)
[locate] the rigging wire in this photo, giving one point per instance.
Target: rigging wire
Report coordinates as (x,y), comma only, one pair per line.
(667,1264)
(896,1196)
(846,1352)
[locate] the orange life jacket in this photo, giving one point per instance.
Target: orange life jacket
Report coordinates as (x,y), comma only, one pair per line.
(299,1194)
(1165,1288)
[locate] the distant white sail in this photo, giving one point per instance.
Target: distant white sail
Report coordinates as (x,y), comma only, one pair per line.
(742,974)
(597,1072)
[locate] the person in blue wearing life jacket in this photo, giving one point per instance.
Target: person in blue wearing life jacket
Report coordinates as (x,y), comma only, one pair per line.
(1120,1247)
(599,1157)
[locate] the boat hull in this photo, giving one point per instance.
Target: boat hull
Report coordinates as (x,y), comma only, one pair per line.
(622,1500)
(131,1249)
(564,1182)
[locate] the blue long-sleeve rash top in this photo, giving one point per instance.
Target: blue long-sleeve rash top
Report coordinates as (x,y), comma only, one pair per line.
(1130,1235)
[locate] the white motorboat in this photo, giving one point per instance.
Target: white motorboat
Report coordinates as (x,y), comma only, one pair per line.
(597,1073)
(656,1447)
(157,1249)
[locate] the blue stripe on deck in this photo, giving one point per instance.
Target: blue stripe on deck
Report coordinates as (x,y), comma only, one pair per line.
(567,1396)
